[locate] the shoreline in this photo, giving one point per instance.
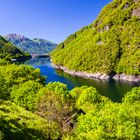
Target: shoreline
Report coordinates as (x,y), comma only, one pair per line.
(99,76)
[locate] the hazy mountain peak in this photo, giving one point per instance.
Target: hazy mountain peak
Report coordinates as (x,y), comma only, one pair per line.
(33,46)
(15,36)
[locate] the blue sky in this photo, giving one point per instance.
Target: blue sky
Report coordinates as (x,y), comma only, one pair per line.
(53,20)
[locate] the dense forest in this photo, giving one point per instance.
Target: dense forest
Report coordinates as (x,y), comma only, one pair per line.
(109,45)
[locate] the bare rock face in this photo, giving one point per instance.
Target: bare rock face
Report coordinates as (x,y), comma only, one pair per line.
(126,6)
(127,77)
(136,1)
(106,28)
(101,76)
(100,43)
(136,12)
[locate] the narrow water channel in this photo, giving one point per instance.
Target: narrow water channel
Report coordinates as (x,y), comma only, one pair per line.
(114,90)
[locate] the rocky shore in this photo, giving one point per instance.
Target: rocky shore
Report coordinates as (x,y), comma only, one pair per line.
(101,76)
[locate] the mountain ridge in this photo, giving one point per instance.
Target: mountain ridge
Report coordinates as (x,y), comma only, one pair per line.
(33,46)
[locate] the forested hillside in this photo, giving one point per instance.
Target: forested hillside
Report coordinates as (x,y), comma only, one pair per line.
(31,109)
(8,51)
(111,44)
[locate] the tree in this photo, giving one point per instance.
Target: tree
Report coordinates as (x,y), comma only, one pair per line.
(55,104)
(26,94)
(12,75)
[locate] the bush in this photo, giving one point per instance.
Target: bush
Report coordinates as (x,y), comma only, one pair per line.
(132,96)
(26,94)
(55,104)
(13,75)
(88,98)
(3,62)
(114,121)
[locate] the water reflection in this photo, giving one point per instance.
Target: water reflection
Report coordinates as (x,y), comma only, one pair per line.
(37,62)
(115,90)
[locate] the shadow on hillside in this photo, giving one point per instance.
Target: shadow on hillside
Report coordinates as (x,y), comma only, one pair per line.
(13,130)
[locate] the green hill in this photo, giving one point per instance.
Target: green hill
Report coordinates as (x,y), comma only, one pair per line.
(111,44)
(8,51)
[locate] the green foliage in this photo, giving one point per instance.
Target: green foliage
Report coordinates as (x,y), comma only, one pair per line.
(88,98)
(57,113)
(75,92)
(59,88)
(55,104)
(26,94)
(112,121)
(132,96)
(107,45)
(3,62)
(18,124)
(13,75)
(3,87)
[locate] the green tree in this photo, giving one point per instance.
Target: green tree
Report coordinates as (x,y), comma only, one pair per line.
(26,94)
(132,96)
(55,105)
(14,75)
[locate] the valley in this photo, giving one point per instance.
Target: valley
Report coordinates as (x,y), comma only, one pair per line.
(85,88)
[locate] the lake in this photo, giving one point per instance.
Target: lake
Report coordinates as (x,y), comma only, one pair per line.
(114,90)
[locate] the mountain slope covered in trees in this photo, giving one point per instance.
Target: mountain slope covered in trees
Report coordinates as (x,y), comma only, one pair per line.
(8,51)
(33,46)
(111,44)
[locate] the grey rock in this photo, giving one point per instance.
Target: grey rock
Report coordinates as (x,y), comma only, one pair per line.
(101,76)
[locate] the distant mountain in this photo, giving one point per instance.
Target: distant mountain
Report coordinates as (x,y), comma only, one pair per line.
(8,51)
(33,46)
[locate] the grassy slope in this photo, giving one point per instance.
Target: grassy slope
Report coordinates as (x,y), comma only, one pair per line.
(109,45)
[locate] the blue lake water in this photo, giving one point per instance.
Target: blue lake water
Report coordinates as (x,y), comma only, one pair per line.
(114,90)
